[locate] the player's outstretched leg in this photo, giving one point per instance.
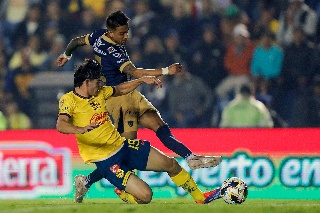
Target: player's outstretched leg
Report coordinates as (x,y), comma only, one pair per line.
(159,162)
(80,188)
(184,180)
(194,161)
(198,161)
(210,196)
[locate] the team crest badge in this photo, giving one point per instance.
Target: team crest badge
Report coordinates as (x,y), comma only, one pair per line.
(130,123)
(61,103)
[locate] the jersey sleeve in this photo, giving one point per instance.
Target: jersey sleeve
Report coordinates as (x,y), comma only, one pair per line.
(117,57)
(66,106)
(91,38)
(108,91)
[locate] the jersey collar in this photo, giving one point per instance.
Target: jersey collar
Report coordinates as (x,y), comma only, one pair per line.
(106,38)
(77,94)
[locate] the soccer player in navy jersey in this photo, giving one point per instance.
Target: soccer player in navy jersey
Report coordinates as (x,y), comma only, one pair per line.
(132,109)
(83,112)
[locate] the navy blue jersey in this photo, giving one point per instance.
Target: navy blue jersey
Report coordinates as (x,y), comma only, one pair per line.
(111,56)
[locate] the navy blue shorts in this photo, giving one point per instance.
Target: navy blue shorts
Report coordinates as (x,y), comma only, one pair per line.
(117,169)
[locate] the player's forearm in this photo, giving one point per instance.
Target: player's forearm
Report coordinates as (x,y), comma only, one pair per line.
(128,87)
(67,128)
(131,70)
(140,72)
(74,44)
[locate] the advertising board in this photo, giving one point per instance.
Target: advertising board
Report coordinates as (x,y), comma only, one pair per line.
(275,163)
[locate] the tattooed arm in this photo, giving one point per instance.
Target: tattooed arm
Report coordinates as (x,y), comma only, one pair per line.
(74,43)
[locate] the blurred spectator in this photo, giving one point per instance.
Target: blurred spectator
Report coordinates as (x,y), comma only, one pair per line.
(3,121)
(204,13)
(158,96)
(32,25)
(5,35)
(180,20)
(298,63)
(245,111)
(14,12)
(114,5)
(306,109)
(3,73)
(3,66)
(142,22)
(137,58)
(173,49)
(50,31)
(36,54)
(154,54)
(57,47)
(5,50)
(237,63)
(88,22)
(266,22)
(190,100)
(298,14)
(266,64)
(55,17)
(206,58)
(16,118)
(76,6)
(18,80)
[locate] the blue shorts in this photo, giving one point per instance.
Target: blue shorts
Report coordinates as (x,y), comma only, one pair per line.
(117,169)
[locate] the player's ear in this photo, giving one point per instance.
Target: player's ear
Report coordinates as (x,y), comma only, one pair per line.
(110,33)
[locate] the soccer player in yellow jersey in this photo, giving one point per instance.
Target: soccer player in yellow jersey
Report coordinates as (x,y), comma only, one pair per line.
(83,112)
(109,49)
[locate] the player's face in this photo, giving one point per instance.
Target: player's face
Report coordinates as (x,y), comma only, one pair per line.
(120,34)
(94,87)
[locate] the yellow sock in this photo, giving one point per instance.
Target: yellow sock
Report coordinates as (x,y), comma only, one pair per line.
(126,197)
(184,180)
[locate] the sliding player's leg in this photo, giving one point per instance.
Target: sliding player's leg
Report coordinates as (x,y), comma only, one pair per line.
(159,162)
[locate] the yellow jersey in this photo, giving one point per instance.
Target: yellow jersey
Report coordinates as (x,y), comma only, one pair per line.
(100,142)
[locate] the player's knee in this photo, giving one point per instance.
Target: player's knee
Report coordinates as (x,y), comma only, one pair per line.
(146,197)
(173,168)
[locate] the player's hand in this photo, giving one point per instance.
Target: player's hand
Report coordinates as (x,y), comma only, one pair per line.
(61,60)
(152,80)
(88,128)
(174,68)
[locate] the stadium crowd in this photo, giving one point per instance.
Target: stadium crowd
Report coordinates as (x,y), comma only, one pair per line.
(272,45)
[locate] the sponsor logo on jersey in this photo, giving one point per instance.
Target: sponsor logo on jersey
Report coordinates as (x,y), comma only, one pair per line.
(96,47)
(114,168)
(111,50)
(99,118)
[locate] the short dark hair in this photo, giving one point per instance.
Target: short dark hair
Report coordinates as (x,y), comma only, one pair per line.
(90,69)
(117,19)
(245,89)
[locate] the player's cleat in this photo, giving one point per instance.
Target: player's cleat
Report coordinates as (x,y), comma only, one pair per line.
(81,189)
(120,194)
(211,196)
(199,161)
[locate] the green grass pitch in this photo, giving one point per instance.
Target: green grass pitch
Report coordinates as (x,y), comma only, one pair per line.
(157,206)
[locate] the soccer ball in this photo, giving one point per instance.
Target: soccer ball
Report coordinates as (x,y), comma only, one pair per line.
(234,191)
